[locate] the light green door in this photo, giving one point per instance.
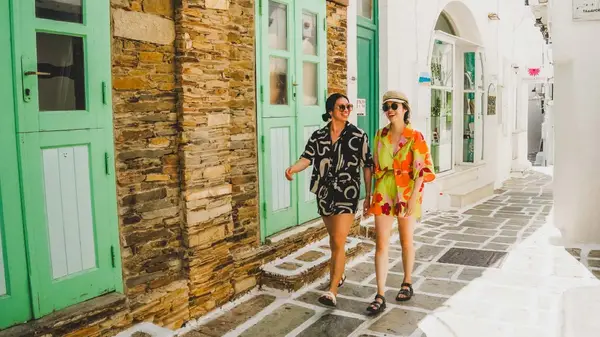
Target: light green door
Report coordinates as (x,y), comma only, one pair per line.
(292,85)
(15,302)
(64,132)
(368,70)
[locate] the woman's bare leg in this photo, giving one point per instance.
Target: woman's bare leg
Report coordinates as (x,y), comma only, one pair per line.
(406,229)
(338,227)
(383,227)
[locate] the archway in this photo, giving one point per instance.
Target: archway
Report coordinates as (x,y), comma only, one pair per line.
(457,89)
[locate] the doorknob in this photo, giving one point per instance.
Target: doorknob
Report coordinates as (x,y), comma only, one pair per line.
(294,84)
(36,73)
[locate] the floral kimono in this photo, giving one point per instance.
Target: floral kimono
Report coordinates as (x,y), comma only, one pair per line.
(397,169)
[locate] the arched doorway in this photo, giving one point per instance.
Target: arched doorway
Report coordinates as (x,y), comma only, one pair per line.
(457,90)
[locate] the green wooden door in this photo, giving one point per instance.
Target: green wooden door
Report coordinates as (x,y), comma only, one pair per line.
(64,113)
(15,302)
(368,70)
(292,85)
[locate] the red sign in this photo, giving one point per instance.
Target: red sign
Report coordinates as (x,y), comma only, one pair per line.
(534,71)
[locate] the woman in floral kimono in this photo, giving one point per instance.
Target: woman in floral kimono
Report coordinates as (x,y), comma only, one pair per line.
(402,166)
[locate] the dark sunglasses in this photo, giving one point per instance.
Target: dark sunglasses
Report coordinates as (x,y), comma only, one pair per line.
(343,107)
(393,106)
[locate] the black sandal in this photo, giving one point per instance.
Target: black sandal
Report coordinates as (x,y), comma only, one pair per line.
(376,307)
(408,293)
(328,299)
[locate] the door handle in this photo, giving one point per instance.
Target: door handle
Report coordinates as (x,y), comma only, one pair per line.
(36,73)
(294,84)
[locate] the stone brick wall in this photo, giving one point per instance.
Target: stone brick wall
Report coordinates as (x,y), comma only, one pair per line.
(186,162)
(337,47)
(147,160)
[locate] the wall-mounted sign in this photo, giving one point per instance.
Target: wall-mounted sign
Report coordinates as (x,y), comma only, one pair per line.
(491,101)
(586,10)
(361,107)
(424,78)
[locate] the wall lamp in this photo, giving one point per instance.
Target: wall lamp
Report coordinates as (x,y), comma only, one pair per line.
(493,16)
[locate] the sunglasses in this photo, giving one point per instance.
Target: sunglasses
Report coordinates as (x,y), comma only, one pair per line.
(343,107)
(393,106)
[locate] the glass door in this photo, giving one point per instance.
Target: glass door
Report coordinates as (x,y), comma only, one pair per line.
(442,109)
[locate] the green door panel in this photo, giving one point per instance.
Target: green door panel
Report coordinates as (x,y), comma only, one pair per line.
(67,192)
(280,195)
(292,88)
(15,302)
(368,75)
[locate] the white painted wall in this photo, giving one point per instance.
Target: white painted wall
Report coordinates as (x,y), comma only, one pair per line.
(406,39)
(576,100)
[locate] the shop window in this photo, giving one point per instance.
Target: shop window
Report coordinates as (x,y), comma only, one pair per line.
(442,70)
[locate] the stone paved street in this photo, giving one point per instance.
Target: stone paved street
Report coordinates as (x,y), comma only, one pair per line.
(495,269)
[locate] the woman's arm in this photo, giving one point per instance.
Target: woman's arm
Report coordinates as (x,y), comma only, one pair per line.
(299,166)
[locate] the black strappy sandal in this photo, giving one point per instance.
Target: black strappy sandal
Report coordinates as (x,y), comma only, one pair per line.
(342,281)
(408,293)
(376,307)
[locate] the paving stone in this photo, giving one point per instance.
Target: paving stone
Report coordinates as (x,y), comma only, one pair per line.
(504,239)
(517,222)
(465,237)
(439,271)
(310,256)
(497,246)
(422,301)
(466,245)
(424,239)
(504,215)
(472,257)
(469,274)
(594,263)
(235,317)
(596,273)
(144,334)
(332,326)
(343,304)
(486,207)
(511,209)
(511,227)
(431,234)
(594,254)
(280,322)
(479,212)
(355,290)
(483,225)
(288,266)
(508,233)
(394,254)
(427,253)
(444,243)
(442,287)
(400,322)
(479,231)
(361,271)
(395,280)
(483,219)
(398,268)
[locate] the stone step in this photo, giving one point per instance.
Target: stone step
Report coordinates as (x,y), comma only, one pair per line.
(308,264)
(470,193)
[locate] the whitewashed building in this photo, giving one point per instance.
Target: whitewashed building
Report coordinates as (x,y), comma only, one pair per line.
(465,66)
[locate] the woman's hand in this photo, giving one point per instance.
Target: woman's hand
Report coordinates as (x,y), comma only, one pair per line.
(412,203)
(366,206)
(289,174)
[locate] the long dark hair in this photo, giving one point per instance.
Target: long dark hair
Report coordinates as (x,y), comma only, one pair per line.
(330,105)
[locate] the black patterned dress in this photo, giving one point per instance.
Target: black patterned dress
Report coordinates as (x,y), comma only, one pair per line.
(336,168)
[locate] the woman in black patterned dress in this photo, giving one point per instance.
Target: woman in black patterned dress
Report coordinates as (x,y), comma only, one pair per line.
(337,152)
